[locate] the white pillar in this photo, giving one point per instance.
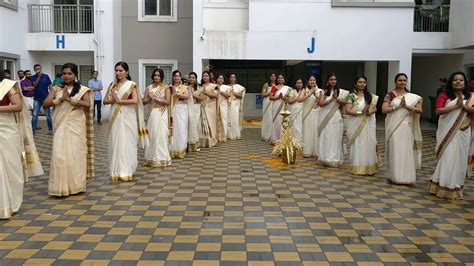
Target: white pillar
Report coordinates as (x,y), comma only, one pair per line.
(402,66)
(110,39)
(370,71)
(199,43)
(393,69)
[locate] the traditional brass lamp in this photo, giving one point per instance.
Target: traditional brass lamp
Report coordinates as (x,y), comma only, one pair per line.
(287,145)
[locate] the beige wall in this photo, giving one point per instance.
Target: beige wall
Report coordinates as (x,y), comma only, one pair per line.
(157,40)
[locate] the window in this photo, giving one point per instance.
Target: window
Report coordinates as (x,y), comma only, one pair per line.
(470,72)
(6,63)
(157,10)
(146,66)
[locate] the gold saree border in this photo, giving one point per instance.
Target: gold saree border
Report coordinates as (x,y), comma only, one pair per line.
(444,192)
(193,147)
(331,164)
(178,154)
(156,164)
(121,178)
(364,169)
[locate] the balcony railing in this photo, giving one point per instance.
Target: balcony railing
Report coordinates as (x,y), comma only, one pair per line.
(61,18)
(430,18)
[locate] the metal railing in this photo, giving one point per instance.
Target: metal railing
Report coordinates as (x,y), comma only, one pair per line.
(430,18)
(61,18)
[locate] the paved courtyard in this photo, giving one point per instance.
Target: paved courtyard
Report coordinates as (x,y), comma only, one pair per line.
(236,205)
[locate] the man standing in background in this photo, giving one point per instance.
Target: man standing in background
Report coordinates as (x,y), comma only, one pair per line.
(41,82)
(28,89)
(96,86)
(21,75)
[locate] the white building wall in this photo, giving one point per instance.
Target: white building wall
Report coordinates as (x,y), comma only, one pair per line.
(14,26)
(283,30)
(461,23)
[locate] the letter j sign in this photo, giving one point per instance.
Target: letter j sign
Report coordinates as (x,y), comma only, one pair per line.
(312,48)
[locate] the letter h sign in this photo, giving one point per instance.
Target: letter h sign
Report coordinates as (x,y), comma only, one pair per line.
(60,40)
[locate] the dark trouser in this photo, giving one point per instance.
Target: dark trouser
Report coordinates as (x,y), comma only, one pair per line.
(98,106)
(36,110)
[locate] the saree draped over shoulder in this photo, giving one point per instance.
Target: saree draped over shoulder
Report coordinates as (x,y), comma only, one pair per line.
(127,131)
(453,139)
(180,118)
(236,112)
(12,170)
(310,114)
(361,134)
(267,123)
(277,107)
(403,141)
(194,120)
(296,116)
(208,135)
(331,132)
(157,153)
(70,159)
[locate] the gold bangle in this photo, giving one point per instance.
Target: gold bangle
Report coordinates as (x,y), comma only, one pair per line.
(359,112)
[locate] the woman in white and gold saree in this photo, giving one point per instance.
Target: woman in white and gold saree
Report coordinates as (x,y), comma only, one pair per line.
(453,138)
(208,136)
(310,98)
(361,107)
(296,109)
(279,97)
(194,125)
(402,132)
(127,129)
(157,97)
(71,161)
(12,174)
(236,115)
(180,116)
(225,93)
(267,123)
(330,123)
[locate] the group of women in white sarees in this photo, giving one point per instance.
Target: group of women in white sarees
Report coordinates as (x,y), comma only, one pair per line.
(454,149)
(182,118)
(317,120)
(171,120)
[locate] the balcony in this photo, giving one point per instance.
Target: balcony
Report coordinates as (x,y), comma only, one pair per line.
(430,18)
(61,18)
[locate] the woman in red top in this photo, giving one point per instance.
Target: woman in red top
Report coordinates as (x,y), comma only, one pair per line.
(11,168)
(453,138)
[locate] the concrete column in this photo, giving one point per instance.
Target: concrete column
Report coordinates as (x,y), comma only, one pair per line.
(370,71)
(110,37)
(199,44)
(393,69)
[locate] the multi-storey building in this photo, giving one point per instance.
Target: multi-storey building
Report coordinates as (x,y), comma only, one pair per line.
(54,32)
(376,38)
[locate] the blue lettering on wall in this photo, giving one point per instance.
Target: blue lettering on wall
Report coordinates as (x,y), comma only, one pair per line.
(60,40)
(313,46)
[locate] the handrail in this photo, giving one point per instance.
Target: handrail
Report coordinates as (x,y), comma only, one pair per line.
(61,18)
(430,18)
